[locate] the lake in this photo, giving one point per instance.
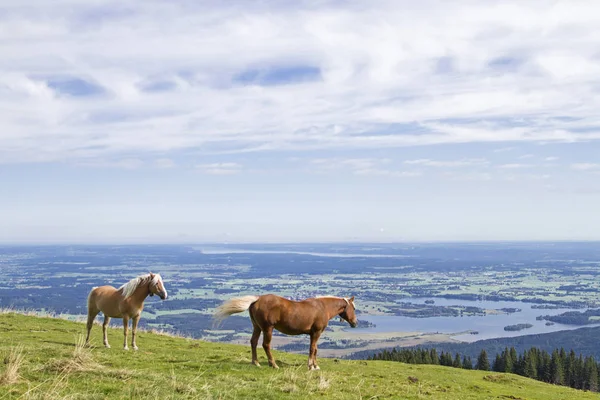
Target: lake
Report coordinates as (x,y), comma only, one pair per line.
(488,326)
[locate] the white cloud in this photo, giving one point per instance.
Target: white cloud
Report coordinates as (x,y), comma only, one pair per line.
(504,149)
(124,163)
(448,164)
(514,166)
(360,167)
(387,172)
(226,168)
(352,163)
(469,176)
(536,177)
(585,166)
(551,159)
(165,163)
(179,75)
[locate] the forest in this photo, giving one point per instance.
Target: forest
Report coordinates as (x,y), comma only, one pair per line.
(558,367)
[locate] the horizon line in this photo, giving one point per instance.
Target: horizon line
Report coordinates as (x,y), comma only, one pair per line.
(283,243)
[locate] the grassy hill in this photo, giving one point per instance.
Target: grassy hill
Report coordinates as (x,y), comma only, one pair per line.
(42,361)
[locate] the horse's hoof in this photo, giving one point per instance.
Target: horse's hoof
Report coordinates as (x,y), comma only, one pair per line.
(135,348)
(107,345)
(126,348)
(275,366)
(317,367)
(255,363)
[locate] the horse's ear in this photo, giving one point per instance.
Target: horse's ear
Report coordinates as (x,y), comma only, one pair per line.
(151,275)
(351,299)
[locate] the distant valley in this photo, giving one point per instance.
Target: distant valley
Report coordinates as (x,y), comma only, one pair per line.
(406,294)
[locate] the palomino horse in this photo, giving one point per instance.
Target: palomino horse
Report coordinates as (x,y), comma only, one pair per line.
(309,317)
(125,302)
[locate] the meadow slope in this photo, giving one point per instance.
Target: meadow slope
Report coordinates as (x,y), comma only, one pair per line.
(42,361)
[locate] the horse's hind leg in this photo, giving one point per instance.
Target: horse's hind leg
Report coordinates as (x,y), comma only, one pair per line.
(254,344)
(104,329)
(92,313)
(267,335)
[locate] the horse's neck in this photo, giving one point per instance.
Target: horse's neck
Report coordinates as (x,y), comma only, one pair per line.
(333,306)
(140,293)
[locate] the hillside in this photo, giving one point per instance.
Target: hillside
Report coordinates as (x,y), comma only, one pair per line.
(166,367)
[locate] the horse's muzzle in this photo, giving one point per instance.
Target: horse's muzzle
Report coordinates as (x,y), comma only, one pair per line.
(353,324)
(162,296)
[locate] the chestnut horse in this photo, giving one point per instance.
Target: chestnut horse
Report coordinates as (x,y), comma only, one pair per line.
(125,302)
(309,317)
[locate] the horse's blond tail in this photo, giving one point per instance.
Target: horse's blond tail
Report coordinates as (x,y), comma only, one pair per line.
(89,298)
(233,306)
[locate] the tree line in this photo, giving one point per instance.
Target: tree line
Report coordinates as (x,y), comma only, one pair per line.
(557,367)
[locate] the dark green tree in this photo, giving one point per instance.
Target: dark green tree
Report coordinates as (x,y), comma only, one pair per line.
(557,374)
(426,357)
(507,360)
(530,369)
(457,362)
(498,364)
(543,365)
(514,357)
(569,369)
(483,363)
(446,359)
(467,363)
(435,359)
(590,374)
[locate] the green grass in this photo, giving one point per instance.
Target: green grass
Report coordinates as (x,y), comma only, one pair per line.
(166,367)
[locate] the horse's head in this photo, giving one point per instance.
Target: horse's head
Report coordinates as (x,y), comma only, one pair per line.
(348,313)
(157,286)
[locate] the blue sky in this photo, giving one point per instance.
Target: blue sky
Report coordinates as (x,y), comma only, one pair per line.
(187,121)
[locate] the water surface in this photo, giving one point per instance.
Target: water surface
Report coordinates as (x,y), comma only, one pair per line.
(489,326)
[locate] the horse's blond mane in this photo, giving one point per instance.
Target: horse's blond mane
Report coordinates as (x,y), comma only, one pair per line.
(129,288)
(336,297)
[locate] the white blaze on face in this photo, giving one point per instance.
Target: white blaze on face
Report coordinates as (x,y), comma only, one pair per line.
(159,284)
(163,287)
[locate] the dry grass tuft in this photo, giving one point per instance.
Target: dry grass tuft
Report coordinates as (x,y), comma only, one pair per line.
(299,380)
(323,384)
(49,390)
(13,362)
(81,360)
(120,374)
(181,387)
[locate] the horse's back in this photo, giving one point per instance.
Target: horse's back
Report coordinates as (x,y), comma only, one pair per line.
(106,290)
(288,316)
(105,299)
(274,303)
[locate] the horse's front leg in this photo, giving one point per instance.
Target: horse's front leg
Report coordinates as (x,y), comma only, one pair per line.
(312,356)
(134,324)
(267,335)
(104,333)
(125,328)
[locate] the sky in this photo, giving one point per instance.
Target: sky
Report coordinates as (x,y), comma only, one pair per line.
(198,121)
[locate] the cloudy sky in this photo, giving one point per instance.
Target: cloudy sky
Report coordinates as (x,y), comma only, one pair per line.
(167,121)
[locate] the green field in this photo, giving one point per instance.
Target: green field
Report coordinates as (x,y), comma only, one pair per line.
(51,366)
